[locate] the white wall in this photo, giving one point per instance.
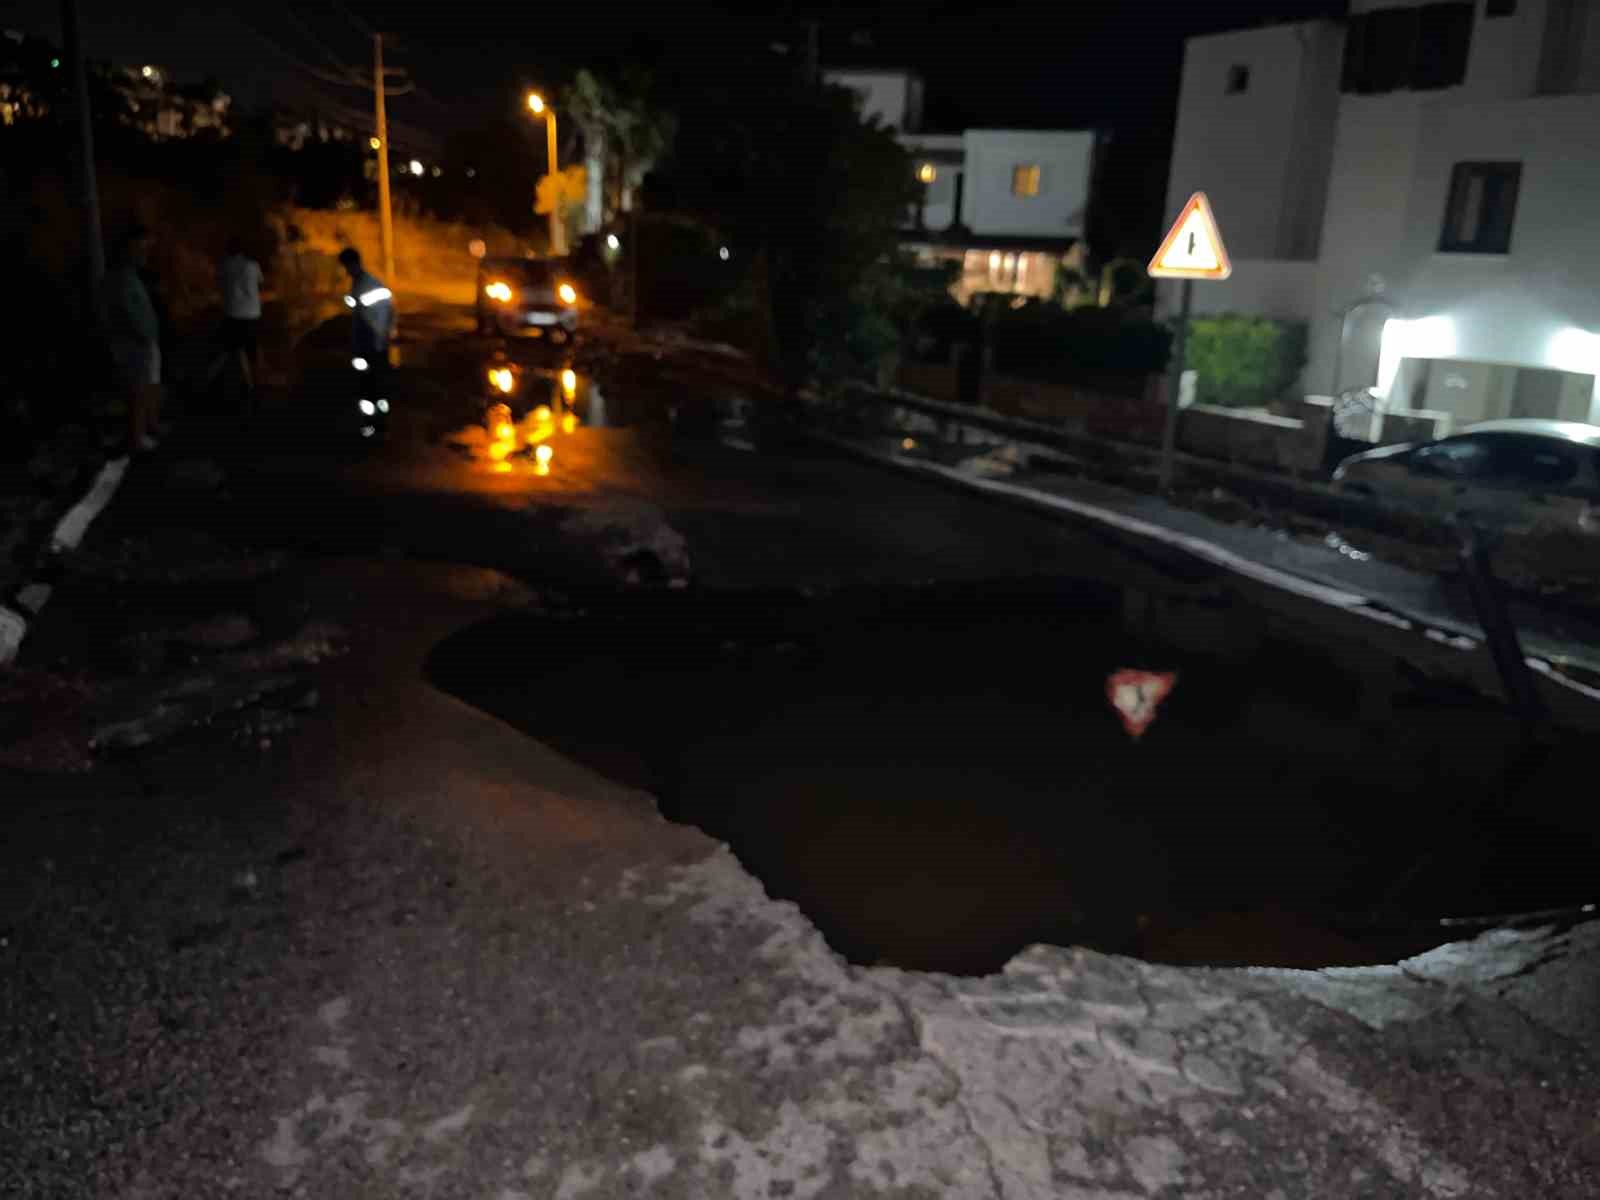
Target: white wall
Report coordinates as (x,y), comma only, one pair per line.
(1267,287)
(1369,186)
(891,96)
(1503,63)
(1512,308)
(1065,161)
(1260,155)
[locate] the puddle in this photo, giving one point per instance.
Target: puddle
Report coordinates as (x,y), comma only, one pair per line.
(528,401)
(936,776)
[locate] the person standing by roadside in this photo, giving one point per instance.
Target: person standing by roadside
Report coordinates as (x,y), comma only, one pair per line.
(133,331)
(239,281)
(372,323)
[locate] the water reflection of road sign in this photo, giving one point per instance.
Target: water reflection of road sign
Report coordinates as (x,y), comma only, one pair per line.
(1137,694)
(1193,247)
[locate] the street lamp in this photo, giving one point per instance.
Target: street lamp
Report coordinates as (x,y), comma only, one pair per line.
(926,174)
(538,107)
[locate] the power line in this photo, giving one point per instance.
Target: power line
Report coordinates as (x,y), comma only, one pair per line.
(315,72)
(366,29)
(343,67)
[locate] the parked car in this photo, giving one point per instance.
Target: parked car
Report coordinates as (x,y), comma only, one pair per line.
(1519,474)
(519,295)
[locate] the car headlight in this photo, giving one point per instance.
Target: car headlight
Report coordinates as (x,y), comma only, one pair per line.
(568,293)
(499,290)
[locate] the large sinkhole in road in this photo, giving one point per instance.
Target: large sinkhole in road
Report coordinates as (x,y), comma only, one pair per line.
(935,775)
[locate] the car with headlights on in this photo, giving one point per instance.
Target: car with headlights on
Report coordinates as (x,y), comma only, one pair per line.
(527,295)
(1519,474)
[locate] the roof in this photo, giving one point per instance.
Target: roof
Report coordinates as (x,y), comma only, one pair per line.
(1570,431)
(967,240)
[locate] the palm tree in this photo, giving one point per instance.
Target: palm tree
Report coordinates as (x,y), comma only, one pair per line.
(624,136)
(592,106)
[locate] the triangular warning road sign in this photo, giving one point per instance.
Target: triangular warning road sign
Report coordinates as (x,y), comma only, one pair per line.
(1193,248)
(1137,694)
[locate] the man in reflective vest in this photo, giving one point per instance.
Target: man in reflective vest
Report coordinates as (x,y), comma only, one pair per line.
(372,313)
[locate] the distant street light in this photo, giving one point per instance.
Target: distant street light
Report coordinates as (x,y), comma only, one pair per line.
(723,254)
(613,242)
(927,172)
(374,143)
(538,107)
(416,167)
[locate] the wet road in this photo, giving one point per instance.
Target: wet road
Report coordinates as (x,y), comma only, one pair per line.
(889,697)
(359,937)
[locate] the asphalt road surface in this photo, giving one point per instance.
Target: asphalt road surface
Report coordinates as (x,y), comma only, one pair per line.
(301,922)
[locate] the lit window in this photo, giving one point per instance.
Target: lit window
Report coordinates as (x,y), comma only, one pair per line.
(1238,79)
(1025,179)
(1480,209)
(994,262)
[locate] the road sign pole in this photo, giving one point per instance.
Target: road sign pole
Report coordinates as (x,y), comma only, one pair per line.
(1169,434)
(1191,250)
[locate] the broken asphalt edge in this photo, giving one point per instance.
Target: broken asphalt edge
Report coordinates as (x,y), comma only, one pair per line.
(29,599)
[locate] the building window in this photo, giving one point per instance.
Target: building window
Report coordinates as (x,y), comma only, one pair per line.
(1238,79)
(1420,47)
(1500,8)
(1481,207)
(1025,179)
(1444,36)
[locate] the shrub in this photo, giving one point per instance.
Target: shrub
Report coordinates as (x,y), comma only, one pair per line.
(939,329)
(1244,361)
(680,268)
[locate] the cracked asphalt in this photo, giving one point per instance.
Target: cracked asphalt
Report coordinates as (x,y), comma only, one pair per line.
(405,949)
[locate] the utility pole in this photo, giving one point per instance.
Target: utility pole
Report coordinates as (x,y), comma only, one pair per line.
(93,244)
(385,218)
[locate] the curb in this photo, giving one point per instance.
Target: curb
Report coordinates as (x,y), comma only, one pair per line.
(29,599)
(1355,603)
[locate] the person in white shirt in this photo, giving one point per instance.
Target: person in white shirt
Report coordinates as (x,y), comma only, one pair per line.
(239,281)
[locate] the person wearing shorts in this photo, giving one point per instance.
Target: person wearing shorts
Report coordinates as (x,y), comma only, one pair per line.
(239,281)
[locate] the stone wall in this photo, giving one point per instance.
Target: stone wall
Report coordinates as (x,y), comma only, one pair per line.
(1296,443)
(1247,436)
(1129,407)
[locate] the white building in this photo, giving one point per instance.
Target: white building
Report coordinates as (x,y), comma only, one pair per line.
(1418,183)
(1010,205)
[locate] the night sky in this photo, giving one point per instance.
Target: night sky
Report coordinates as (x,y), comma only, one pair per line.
(1024,63)
(1113,67)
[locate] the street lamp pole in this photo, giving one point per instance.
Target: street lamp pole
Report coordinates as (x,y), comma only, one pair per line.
(558,242)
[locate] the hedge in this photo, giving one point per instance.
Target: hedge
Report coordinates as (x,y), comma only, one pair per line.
(1244,361)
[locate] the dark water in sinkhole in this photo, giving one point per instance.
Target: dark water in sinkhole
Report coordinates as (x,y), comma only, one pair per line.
(936,777)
